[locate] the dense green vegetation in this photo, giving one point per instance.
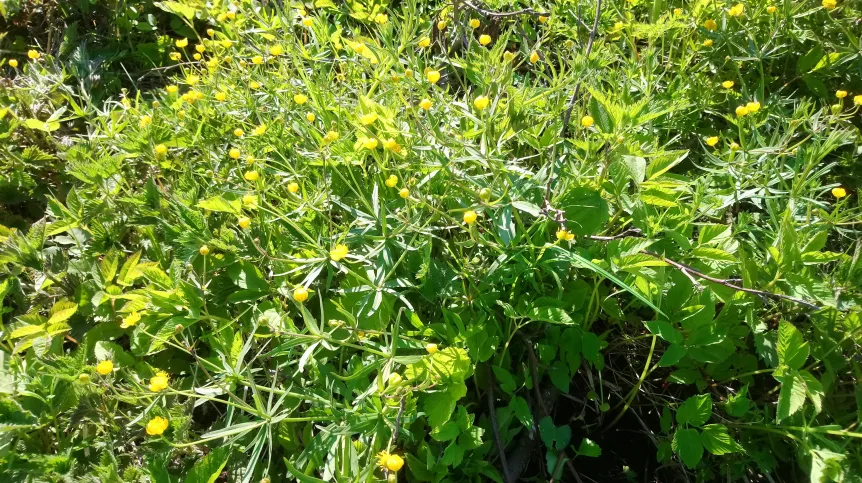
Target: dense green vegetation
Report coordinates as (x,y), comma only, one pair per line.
(416,241)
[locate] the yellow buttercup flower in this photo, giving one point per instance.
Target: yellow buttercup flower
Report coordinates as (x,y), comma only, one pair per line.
(130,320)
(259,130)
(710,24)
(182,43)
(707,43)
(829,4)
(200,48)
(425,104)
(391,181)
(771,9)
(677,11)
(534,57)
(441,25)
(310,117)
(249,159)
(231,15)
(424,42)
(257,60)
(563,235)
(293,187)
(433,76)
(226,43)
(839,192)
(741,111)
(857,100)
(300,294)
(33,54)
(276,50)
(509,56)
(408,73)
(368,119)
(734,146)
(339,252)
(481,102)
(172,89)
(484,39)
(157,426)
(159,382)
(431,348)
(543,18)
(382,458)
(470,217)
(254,85)
(369,143)
(404,193)
(308,22)
(300,99)
(331,136)
(381,19)
(394,463)
(175,56)
(841,94)
(192,80)
(238,132)
(753,106)
(475,23)
(234,153)
(221,96)
(13,63)
(210,33)
(244,222)
(727,84)
(160,149)
(736,10)
(197,56)
(145,121)
(587,121)
(251,175)
(712,141)
(105,367)
(391,145)
(204,250)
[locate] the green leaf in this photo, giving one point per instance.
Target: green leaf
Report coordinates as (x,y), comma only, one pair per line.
(128,273)
(438,406)
(224,204)
(664,330)
(792,348)
(559,374)
(553,315)
(505,227)
(791,398)
(504,379)
(178,8)
(586,211)
(208,469)
(446,432)
(589,448)
(300,476)
(717,440)
(673,354)
(521,410)
(695,411)
(687,444)
(738,404)
(62,311)
(42,125)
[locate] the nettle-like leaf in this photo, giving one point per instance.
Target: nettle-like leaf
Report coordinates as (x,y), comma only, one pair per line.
(792,348)
(687,444)
(695,411)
